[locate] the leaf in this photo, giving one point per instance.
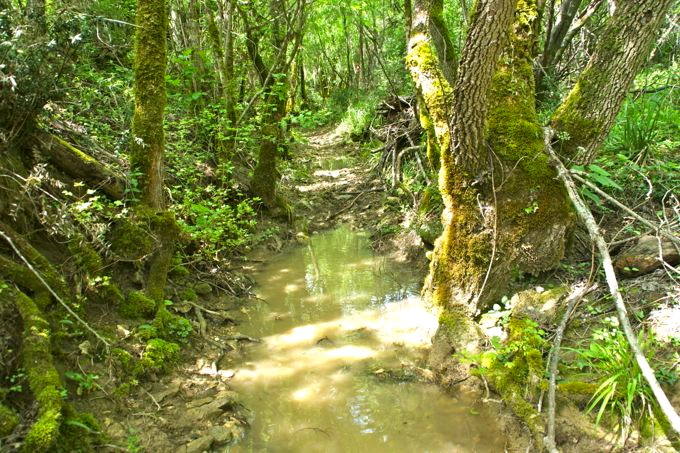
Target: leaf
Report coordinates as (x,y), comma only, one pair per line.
(589,194)
(604,181)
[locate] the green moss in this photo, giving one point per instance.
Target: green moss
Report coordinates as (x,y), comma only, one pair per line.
(85,256)
(516,371)
(179,271)
(171,327)
(123,358)
(158,357)
(188,294)
(43,378)
(137,305)
(79,433)
(166,230)
(130,239)
(577,388)
(8,420)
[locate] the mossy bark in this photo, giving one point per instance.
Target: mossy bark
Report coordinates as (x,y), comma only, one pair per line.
(586,116)
(148,140)
(147,147)
(43,378)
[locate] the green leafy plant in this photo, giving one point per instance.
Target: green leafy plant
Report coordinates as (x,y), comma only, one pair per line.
(621,390)
(86,381)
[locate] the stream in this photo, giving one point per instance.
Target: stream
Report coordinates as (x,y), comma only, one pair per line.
(343,331)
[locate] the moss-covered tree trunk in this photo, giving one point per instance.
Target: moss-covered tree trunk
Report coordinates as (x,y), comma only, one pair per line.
(504,211)
(586,116)
(223,54)
(286,36)
(148,143)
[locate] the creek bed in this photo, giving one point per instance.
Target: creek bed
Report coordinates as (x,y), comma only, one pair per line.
(343,330)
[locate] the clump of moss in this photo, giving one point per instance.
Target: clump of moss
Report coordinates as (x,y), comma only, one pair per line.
(43,378)
(188,294)
(515,369)
(8,420)
(122,358)
(130,240)
(137,305)
(78,433)
(158,357)
(171,327)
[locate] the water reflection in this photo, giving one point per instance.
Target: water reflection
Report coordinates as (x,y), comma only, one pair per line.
(334,314)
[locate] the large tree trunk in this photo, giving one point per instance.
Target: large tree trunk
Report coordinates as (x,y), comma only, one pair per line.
(504,211)
(586,116)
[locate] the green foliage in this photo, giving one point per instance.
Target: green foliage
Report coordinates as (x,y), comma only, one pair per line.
(171,327)
(86,381)
(159,356)
(37,56)
(621,392)
(216,227)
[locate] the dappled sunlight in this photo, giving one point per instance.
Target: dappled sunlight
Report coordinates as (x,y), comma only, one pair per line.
(336,323)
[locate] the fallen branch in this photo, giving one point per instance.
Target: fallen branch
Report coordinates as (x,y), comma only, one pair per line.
(587,217)
(53,292)
(625,208)
(576,295)
(79,165)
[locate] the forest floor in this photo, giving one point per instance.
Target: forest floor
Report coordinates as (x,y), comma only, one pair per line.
(193,409)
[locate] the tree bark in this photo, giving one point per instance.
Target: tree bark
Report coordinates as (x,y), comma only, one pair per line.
(79,165)
(147,147)
(587,114)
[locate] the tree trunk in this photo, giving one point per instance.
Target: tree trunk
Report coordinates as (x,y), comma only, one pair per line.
(147,147)
(504,211)
(586,116)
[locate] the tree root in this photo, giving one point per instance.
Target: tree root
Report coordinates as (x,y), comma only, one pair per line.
(43,378)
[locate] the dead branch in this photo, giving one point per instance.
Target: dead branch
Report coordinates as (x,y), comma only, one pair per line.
(578,292)
(53,292)
(587,217)
(668,235)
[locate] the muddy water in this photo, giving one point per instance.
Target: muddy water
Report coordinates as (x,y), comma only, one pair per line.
(338,325)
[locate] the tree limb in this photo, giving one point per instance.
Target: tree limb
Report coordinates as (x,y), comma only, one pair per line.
(587,217)
(576,295)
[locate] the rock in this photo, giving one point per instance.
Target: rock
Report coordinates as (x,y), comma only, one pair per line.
(203,289)
(665,323)
(199,445)
(537,304)
(221,434)
(216,406)
(643,257)
(160,392)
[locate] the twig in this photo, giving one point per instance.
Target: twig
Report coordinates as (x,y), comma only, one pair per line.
(152,398)
(576,295)
(587,217)
(623,207)
(49,288)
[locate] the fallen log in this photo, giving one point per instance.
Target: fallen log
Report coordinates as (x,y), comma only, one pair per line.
(80,165)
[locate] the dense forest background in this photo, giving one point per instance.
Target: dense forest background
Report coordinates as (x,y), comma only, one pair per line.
(148,139)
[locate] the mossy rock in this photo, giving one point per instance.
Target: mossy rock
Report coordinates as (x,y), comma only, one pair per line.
(137,305)
(543,306)
(158,357)
(8,420)
(188,294)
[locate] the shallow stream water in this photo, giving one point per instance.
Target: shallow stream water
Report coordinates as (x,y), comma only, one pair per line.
(338,323)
